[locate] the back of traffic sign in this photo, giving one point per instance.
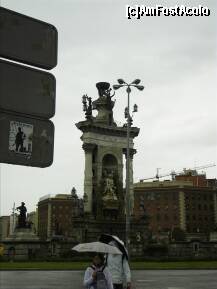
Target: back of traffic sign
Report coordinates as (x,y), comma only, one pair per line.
(26,141)
(26,90)
(27,40)
(27,95)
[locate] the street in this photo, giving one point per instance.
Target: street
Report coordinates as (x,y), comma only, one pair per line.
(148,279)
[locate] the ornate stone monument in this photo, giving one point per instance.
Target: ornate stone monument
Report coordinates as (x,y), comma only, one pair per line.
(104,144)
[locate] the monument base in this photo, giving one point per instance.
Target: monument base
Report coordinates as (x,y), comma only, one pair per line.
(88,229)
(23,234)
(21,245)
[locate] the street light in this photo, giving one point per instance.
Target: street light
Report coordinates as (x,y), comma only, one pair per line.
(122,83)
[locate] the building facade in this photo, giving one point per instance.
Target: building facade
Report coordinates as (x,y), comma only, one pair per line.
(32,220)
(187,203)
(55,215)
(4,227)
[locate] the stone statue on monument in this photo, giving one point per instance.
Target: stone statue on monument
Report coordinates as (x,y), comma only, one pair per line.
(22,217)
(109,187)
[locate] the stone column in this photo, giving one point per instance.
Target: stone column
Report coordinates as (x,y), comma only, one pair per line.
(88,177)
(215,206)
(131,187)
(182,211)
(49,219)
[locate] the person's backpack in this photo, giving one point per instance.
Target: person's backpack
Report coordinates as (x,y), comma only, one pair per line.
(101,282)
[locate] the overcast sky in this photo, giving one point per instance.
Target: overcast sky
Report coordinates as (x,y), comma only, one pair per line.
(175,57)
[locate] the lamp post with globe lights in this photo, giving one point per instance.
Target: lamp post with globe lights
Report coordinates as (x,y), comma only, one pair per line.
(122,83)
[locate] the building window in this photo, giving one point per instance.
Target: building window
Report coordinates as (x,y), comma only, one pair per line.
(205,207)
(199,207)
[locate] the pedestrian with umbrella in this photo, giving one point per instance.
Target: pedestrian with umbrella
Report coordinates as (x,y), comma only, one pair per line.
(97,276)
(117,264)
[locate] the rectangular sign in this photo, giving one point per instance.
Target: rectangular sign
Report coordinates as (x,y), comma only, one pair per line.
(27,40)
(26,141)
(26,90)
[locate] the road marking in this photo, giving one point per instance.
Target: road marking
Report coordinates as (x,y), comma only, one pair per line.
(146,280)
(176,288)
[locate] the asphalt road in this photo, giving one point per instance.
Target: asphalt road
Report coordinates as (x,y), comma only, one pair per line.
(149,279)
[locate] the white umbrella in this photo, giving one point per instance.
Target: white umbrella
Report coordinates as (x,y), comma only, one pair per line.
(97,247)
(106,238)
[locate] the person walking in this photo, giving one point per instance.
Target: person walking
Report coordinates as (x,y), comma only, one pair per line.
(119,268)
(97,276)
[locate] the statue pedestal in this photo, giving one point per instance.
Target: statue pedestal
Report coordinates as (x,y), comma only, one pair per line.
(23,234)
(22,244)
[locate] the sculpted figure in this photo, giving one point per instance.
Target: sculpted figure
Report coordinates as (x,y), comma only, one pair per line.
(109,189)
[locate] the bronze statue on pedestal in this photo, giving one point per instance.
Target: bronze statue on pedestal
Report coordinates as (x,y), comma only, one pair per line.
(22,217)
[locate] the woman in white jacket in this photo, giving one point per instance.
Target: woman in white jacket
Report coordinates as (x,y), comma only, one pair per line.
(119,269)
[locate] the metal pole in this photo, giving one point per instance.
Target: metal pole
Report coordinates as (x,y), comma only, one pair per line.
(0,185)
(122,83)
(13,217)
(128,173)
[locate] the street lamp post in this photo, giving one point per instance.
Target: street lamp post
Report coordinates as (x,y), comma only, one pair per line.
(122,83)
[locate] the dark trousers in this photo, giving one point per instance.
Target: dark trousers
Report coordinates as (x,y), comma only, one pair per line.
(118,286)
